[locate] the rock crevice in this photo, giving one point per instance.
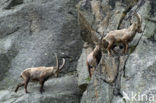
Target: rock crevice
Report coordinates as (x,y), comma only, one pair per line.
(113,73)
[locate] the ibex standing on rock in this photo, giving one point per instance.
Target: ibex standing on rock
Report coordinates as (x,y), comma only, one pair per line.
(94,58)
(123,36)
(40,74)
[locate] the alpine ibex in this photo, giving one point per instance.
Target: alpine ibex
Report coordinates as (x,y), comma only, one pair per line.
(40,74)
(123,36)
(94,57)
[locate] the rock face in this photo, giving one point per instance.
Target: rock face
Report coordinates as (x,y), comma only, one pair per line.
(31,31)
(121,78)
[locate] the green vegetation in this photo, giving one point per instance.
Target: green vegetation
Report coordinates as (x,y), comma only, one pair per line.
(88,79)
(132,48)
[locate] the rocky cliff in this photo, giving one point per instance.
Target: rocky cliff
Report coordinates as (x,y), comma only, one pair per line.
(32,31)
(121,78)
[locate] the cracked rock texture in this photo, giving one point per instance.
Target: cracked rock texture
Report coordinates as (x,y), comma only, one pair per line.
(120,74)
(31,31)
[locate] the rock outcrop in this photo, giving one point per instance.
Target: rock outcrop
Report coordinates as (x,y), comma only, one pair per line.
(31,31)
(121,78)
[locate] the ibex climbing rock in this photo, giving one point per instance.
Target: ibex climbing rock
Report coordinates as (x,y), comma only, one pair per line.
(40,74)
(123,36)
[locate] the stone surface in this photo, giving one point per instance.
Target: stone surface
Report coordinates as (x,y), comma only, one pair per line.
(121,74)
(140,71)
(82,70)
(30,33)
(58,90)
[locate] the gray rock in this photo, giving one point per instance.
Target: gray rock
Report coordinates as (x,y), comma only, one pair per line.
(121,74)
(57,90)
(30,33)
(82,70)
(140,71)
(33,30)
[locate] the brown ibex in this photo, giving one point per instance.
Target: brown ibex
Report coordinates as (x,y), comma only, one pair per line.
(40,74)
(123,36)
(94,57)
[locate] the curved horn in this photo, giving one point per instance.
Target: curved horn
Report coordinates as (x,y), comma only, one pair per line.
(56,61)
(62,64)
(138,18)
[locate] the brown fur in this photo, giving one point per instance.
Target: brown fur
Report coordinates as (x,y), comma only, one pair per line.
(123,36)
(40,74)
(93,59)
